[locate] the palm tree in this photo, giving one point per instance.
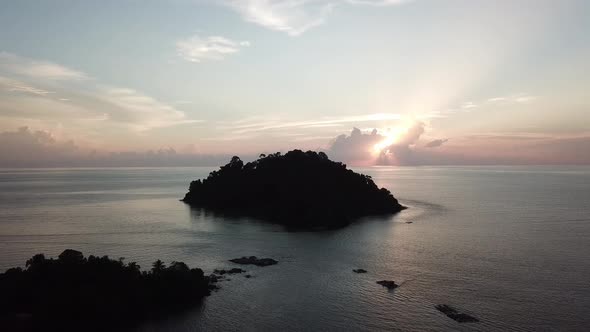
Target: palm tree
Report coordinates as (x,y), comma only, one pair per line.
(158,266)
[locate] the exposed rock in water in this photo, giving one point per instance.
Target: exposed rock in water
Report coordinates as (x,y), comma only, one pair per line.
(390,284)
(298,189)
(213,278)
(231,271)
(452,313)
(253,260)
(359,271)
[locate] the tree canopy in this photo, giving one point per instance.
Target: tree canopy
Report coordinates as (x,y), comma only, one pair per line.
(75,290)
(298,188)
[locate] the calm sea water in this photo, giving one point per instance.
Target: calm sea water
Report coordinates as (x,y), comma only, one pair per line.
(509,245)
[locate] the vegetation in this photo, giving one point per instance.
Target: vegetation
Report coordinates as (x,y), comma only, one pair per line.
(296,189)
(74,289)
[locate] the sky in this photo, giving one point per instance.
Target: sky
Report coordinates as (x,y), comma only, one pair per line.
(370,82)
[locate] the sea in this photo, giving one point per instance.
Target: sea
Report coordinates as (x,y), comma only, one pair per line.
(509,245)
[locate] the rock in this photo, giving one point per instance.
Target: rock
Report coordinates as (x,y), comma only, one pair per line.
(409,222)
(248,276)
(253,260)
(453,314)
(390,284)
(231,271)
(359,271)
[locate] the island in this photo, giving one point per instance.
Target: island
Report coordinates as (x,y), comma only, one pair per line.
(74,291)
(298,189)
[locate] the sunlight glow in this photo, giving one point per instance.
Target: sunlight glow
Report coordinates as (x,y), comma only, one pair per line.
(391,137)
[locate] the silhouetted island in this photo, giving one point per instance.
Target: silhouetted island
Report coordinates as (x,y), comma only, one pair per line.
(298,189)
(95,291)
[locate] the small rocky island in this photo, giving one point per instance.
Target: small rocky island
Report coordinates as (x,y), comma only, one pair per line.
(253,260)
(389,284)
(75,291)
(297,189)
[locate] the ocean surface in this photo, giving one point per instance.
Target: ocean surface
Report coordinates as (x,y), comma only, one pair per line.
(509,245)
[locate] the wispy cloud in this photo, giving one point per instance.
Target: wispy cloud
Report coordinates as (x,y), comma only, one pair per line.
(291,16)
(435,143)
(27,92)
(140,111)
(521,98)
(468,105)
(198,49)
(266,125)
(37,69)
(10,85)
(294,17)
(377,2)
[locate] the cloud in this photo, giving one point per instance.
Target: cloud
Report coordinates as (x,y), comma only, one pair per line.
(488,149)
(355,148)
(378,3)
(294,17)
(246,126)
(496,99)
(140,111)
(519,98)
(25,147)
(37,69)
(35,148)
(468,105)
(198,49)
(435,143)
(523,99)
(94,106)
(291,16)
(9,85)
(359,148)
(402,151)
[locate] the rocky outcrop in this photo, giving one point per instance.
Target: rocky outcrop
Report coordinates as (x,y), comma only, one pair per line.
(454,314)
(389,284)
(253,260)
(230,271)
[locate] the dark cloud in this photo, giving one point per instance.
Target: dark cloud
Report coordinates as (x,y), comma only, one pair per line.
(25,147)
(355,148)
(435,143)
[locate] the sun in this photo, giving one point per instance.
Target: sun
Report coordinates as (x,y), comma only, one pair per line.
(391,137)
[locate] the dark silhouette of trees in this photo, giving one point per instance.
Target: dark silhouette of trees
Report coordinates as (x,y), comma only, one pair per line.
(301,189)
(96,290)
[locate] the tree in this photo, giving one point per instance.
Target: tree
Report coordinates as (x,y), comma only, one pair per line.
(158,266)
